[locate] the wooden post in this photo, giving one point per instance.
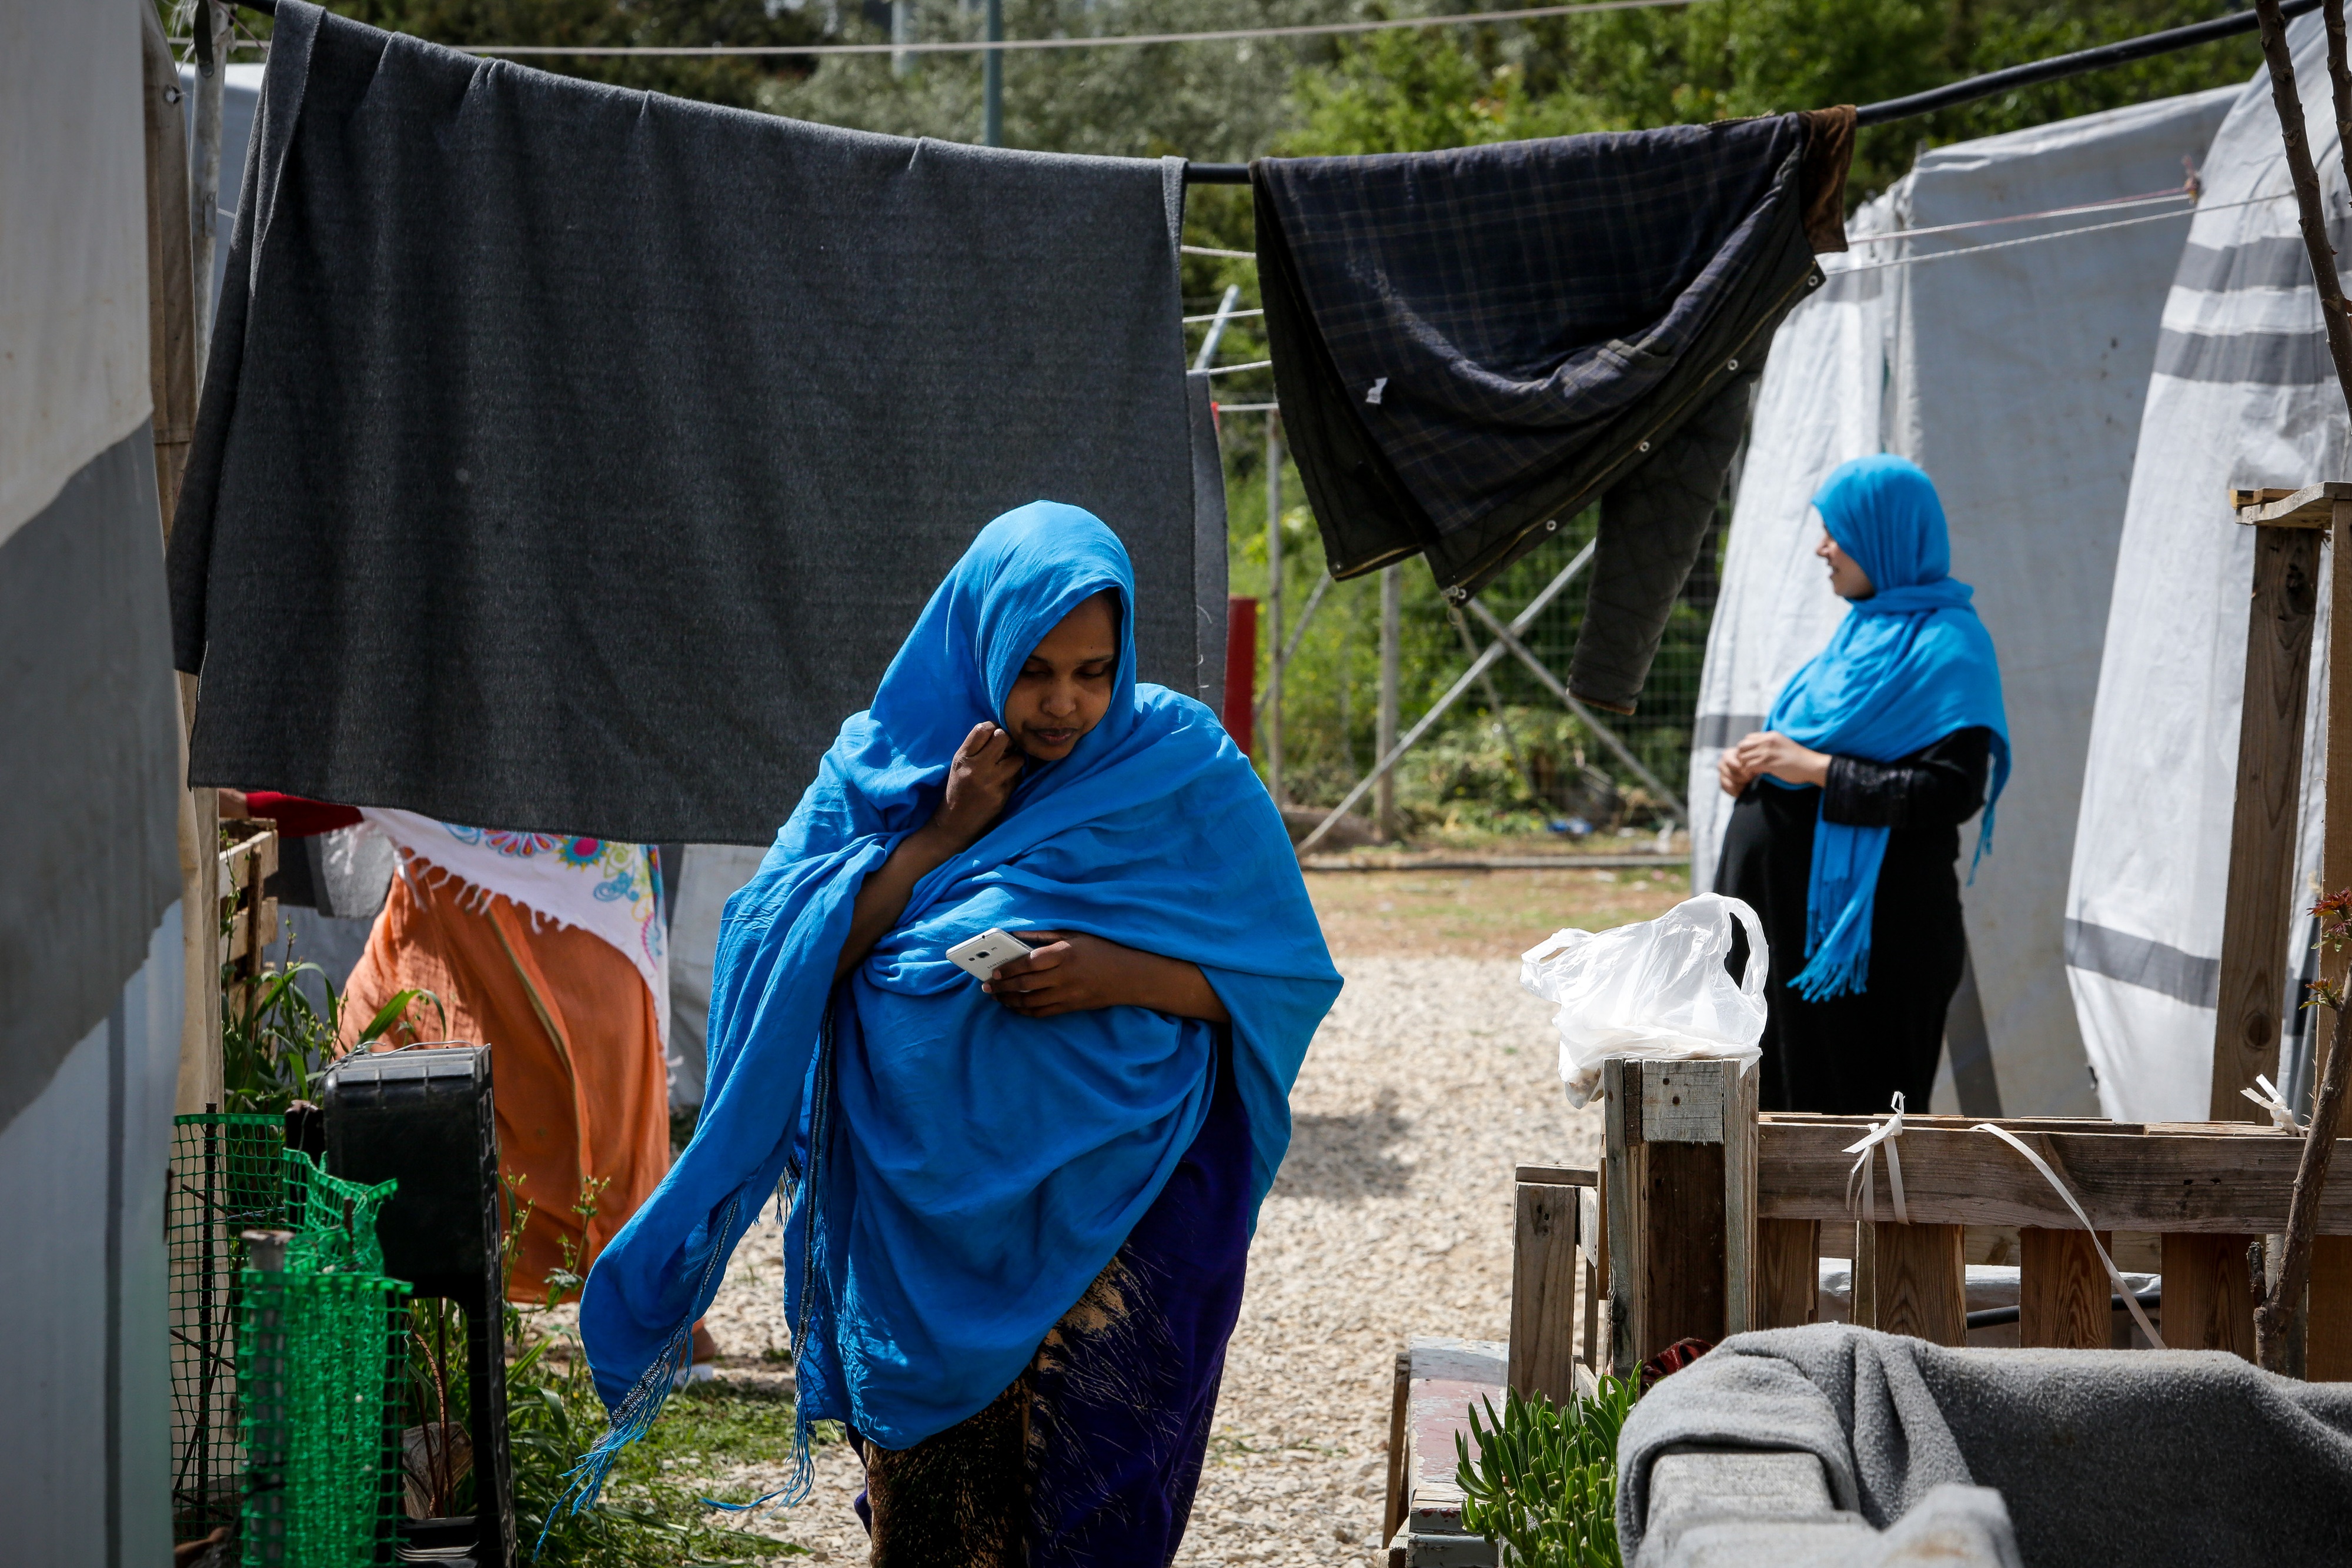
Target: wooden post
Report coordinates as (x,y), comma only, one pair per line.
(2270,764)
(2259,905)
(2063,1289)
(1741,1310)
(1543,1281)
(172,370)
(2328,1301)
(2209,1302)
(1592,1252)
(1919,1282)
(1679,1187)
(211,27)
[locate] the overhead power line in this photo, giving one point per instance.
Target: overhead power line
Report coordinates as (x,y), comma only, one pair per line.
(1108,40)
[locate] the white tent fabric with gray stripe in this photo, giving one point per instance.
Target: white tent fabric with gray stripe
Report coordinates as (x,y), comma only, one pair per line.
(2243,394)
(2015,376)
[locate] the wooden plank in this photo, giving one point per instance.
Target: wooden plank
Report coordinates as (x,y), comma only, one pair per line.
(1684,1102)
(2240,499)
(2313,507)
(2063,1294)
(1741,1310)
(2336,839)
(2223,1183)
(1620,1209)
(1560,1175)
(2014,1123)
(1789,1272)
(2207,1304)
(2328,1338)
(1918,1282)
(2258,907)
(1543,1292)
(1681,1244)
(1399,1399)
(171,386)
(1592,1240)
(171,272)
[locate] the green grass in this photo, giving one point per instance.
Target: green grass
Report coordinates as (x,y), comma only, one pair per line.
(708,1428)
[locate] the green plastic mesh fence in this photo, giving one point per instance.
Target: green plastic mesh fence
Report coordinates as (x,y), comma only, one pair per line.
(227,1178)
(333,1220)
(320,1357)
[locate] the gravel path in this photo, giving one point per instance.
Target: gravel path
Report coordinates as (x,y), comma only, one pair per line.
(1432,1078)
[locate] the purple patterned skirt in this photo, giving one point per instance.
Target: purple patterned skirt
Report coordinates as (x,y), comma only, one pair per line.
(1090,1458)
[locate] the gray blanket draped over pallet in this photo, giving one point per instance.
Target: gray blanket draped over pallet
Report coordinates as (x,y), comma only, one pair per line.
(1471,345)
(2157,1459)
(575,459)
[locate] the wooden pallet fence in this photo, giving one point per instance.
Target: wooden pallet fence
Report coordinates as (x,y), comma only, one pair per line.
(2206,1188)
(1555,1250)
(1679,1234)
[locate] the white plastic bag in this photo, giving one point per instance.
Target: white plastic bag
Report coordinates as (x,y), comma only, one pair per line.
(1656,989)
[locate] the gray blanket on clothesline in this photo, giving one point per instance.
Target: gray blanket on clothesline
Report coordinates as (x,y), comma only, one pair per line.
(2155,1458)
(574,459)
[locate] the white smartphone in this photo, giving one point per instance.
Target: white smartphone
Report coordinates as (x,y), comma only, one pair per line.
(982,954)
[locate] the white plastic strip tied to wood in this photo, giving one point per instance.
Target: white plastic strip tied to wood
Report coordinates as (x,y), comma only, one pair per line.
(1657,990)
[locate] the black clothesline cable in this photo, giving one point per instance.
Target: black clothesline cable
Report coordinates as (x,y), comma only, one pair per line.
(1951,95)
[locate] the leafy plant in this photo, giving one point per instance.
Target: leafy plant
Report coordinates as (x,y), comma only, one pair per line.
(1544,1484)
(554,1418)
(275,1042)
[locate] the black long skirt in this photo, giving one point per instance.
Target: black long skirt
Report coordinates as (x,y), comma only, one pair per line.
(1851,1055)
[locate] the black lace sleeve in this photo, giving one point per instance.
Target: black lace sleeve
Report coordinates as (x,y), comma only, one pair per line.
(1941,786)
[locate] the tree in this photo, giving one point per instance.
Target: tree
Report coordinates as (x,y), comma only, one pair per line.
(738,80)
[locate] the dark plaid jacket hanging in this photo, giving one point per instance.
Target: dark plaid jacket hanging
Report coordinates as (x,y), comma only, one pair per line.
(1471,345)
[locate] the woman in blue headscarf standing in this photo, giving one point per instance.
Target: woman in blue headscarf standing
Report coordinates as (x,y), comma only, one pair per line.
(1846,837)
(1020,1206)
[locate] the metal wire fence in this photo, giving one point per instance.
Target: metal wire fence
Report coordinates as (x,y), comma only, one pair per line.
(1507,752)
(227,1178)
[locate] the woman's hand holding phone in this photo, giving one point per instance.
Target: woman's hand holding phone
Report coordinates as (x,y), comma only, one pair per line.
(1070,971)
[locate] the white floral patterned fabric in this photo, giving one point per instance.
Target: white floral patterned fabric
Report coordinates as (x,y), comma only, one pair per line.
(603,886)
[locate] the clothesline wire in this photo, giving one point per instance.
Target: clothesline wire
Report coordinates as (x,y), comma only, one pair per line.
(1970,249)
(2180,194)
(2055,234)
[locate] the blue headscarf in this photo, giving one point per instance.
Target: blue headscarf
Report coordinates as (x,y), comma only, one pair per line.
(962,1173)
(1908,666)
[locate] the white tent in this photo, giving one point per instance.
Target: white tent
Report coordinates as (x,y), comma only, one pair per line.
(90,975)
(2242,394)
(2015,377)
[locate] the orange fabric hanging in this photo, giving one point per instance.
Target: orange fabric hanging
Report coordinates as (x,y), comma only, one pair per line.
(575,1060)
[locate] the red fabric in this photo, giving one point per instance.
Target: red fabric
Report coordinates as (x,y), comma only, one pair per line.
(297,818)
(1672,1359)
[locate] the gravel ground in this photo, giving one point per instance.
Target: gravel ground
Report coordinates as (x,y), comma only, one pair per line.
(1432,1078)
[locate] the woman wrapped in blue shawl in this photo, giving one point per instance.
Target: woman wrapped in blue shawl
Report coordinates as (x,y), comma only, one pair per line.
(1020,1208)
(1846,835)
